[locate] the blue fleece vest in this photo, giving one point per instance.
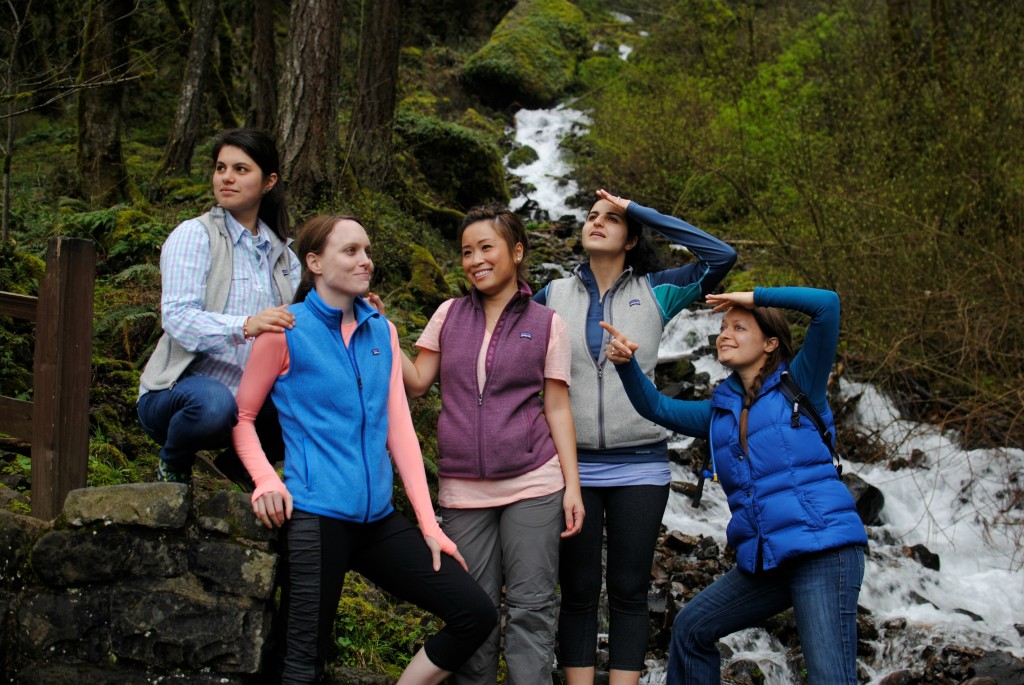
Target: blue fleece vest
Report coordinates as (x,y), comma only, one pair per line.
(784,494)
(498,431)
(333,407)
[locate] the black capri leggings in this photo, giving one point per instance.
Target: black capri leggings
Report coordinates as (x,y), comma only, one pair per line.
(632,514)
(391,553)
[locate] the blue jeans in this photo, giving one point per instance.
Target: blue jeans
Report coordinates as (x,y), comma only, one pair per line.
(198,413)
(822,588)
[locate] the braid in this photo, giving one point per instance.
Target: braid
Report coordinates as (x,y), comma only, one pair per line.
(751,395)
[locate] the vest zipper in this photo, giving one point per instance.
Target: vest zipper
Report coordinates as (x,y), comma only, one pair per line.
(362,405)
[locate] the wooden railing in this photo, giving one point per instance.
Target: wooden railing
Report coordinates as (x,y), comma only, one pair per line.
(56,421)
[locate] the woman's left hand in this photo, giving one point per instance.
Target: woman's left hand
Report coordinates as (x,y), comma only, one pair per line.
(435,553)
(724,301)
(620,202)
(572,505)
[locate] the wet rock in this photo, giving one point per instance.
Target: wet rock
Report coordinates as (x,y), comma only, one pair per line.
(743,672)
(679,543)
(923,556)
(970,614)
(869,499)
(904,677)
(920,599)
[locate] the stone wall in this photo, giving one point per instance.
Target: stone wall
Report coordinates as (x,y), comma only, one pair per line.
(136,584)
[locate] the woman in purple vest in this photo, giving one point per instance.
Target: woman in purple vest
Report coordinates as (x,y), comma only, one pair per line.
(509,488)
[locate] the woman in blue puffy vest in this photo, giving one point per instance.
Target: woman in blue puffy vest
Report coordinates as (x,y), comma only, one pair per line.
(798,539)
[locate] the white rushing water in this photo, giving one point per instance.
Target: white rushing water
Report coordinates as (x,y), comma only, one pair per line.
(957,503)
(543,130)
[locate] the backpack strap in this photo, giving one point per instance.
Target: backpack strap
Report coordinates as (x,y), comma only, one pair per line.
(802,405)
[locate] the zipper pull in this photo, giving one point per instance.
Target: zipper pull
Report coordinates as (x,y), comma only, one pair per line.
(480,400)
(359,382)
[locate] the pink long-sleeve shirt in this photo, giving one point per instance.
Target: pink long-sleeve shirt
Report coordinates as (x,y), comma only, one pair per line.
(270,359)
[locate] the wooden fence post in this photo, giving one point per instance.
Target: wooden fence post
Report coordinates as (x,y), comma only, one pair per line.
(62,371)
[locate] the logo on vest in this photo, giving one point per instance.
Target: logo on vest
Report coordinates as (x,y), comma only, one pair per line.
(375,351)
(634,303)
(527,335)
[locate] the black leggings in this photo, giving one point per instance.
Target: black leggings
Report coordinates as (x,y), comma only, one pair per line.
(391,553)
(632,515)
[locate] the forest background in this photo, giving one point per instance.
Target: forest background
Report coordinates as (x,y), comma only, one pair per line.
(868,146)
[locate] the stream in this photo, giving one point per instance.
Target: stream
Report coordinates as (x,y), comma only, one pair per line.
(957,503)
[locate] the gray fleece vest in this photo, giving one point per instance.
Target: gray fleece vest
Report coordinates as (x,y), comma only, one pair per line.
(603,414)
(169,359)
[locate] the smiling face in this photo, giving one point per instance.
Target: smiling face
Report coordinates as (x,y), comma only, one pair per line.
(605,230)
(741,343)
(238,182)
(487,258)
(343,268)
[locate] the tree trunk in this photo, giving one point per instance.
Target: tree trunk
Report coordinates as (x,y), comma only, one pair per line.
(102,176)
(182,140)
(263,71)
(376,87)
(307,115)
(224,67)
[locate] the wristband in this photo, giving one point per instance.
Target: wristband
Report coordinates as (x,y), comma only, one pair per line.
(245,329)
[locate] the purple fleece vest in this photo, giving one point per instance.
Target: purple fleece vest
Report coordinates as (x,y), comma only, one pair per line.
(501,431)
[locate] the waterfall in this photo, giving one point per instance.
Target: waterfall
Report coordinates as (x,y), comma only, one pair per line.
(959,503)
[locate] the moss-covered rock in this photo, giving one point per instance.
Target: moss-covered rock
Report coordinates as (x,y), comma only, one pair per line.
(427,283)
(463,167)
(531,56)
(522,156)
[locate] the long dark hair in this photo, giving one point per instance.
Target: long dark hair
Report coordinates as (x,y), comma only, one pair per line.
(507,225)
(258,145)
(773,324)
(643,257)
(313,237)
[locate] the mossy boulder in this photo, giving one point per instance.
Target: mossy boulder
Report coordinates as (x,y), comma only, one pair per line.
(463,167)
(522,156)
(427,283)
(531,56)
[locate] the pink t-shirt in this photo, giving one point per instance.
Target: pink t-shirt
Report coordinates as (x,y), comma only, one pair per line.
(464,493)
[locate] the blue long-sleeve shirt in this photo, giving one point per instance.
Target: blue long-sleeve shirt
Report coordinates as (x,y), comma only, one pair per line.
(673,288)
(810,367)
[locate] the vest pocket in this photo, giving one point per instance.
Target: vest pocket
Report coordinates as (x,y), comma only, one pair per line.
(814,518)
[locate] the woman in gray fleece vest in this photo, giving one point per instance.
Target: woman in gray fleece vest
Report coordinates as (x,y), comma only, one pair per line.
(623,458)
(226,277)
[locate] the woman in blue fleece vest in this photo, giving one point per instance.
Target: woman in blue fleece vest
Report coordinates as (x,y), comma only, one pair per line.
(798,539)
(336,379)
